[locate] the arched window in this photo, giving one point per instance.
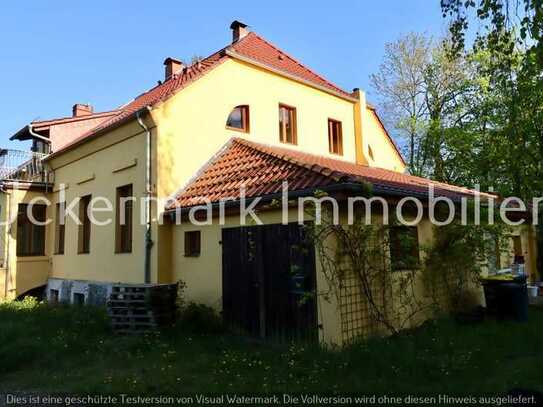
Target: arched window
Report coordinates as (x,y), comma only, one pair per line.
(238,119)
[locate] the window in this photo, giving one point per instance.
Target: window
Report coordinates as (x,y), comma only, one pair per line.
(239,119)
(39,146)
(192,243)
(404,248)
(60,227)
(30,236)
(335,137)
(287,124)
(123,222)
(85,226)
(53,296)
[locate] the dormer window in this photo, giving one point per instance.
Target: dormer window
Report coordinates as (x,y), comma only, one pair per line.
(238,119)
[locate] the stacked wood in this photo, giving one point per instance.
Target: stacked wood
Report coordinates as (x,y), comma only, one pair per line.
(139,308)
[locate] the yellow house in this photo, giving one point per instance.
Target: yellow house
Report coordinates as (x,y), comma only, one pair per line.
(172,148)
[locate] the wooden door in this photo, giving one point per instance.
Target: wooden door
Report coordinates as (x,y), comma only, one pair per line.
(269,282)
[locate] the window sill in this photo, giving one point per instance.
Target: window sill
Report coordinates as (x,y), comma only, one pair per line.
(30,259)
(245,131)
(126,252)
(289,143)
(192,255)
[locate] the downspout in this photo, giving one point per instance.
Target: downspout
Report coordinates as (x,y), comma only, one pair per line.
(6,235)
(148,244)
(45,140)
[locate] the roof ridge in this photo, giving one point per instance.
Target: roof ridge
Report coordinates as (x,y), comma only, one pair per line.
(83,117)
(299,63)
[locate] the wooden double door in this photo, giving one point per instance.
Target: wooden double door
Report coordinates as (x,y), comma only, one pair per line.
(269,282)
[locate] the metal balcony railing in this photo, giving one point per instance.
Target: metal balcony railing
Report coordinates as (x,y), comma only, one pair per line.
(17,165)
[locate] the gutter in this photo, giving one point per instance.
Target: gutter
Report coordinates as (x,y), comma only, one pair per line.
(353,187)
(36,135)
(148,241)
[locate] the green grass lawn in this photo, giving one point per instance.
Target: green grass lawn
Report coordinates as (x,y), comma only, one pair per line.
(71,349)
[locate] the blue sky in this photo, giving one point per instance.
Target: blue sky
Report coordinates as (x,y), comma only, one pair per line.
(55,54)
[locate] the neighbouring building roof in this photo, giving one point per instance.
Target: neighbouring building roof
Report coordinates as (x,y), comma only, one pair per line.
(67,129)
(251,48)
(261,169)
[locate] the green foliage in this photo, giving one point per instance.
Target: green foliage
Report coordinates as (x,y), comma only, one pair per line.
(200,318)
(71,350)
(454,261)
(506,121)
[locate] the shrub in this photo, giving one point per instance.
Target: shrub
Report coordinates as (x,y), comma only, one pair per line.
(200,318)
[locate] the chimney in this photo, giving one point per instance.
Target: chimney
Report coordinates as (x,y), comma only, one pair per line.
(239,30)
(172,66)
(80,109)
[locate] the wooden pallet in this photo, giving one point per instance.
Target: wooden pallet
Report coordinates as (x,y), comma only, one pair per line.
(134,308)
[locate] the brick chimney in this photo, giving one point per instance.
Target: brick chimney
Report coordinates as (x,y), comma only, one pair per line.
(80,109)
(239,30)
(171,67)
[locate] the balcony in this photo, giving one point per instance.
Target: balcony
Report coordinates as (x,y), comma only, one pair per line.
(22,166)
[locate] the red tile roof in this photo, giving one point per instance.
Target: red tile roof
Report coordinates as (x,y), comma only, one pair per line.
(257,48)
(261,169)
(252,46)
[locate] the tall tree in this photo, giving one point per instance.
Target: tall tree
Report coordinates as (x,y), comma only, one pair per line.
(422,87)
(400,85)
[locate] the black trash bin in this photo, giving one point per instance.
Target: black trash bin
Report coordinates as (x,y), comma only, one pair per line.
(507,299)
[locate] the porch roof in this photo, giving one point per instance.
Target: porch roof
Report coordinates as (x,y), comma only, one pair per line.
(261,169)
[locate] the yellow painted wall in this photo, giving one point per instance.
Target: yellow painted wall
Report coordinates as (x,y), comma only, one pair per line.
(203,274)
(191,124)
(385,154)
(188,129)
(22,273)
(98,168)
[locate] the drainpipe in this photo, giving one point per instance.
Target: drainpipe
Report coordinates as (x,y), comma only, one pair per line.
(6,235)
(38,136)
(45,140)
(148,244)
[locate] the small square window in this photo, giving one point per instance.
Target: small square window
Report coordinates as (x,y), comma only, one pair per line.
(53,296)
(192,243)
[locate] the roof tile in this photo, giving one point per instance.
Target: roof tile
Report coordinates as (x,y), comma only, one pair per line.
(261,169)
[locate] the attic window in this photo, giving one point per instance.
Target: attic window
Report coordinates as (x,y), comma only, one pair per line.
(238,119)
